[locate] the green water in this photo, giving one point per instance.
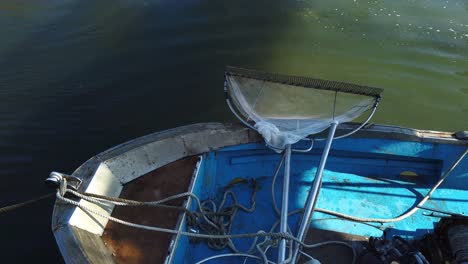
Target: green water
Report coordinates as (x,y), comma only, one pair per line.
(77,77)
(416,50)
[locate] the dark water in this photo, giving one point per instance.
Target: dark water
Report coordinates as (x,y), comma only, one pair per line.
(77,77)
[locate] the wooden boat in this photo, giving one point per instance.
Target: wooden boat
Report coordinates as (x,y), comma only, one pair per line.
(209,192)
(364,178)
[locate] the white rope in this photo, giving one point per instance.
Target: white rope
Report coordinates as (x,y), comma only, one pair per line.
(108,200)
(407,214)
(309,256)
(278,167)
(222,226)
(124,202)
(231,255)
(170,231)
(270,237)
(260,233)
(377,220)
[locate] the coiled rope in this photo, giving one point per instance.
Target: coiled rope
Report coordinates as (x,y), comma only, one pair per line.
(221,218)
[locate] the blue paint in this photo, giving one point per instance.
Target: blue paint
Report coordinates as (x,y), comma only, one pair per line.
(362,178)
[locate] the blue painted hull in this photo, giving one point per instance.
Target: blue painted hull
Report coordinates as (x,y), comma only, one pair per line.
(364,177)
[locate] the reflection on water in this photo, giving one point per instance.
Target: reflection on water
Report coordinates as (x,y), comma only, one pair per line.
(77,77)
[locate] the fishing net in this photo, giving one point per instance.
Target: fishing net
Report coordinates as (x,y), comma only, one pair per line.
(286,109)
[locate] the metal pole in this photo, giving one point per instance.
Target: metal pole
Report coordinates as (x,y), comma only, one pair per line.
(313,193)
(284,204)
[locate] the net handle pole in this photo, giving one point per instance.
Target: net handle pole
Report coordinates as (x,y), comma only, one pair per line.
(374,109)
(314,192)
(284,203)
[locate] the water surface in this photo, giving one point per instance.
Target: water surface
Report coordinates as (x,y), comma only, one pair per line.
(77,77)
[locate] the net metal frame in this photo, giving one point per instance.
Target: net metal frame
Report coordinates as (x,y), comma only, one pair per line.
(305,81)
(300,81)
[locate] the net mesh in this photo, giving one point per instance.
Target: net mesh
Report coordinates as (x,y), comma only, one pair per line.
(286,109)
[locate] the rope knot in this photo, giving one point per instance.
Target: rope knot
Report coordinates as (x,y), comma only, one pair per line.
(281,235)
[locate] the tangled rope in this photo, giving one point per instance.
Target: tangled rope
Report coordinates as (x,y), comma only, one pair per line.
(217,220)
(270,238)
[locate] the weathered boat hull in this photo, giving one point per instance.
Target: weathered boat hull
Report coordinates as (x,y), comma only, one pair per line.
(364,177)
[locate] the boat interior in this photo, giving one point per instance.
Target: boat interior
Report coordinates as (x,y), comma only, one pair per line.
(364,178)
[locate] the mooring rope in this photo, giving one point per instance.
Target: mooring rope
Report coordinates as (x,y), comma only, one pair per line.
(12,207)
(167,230)
(270,237)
